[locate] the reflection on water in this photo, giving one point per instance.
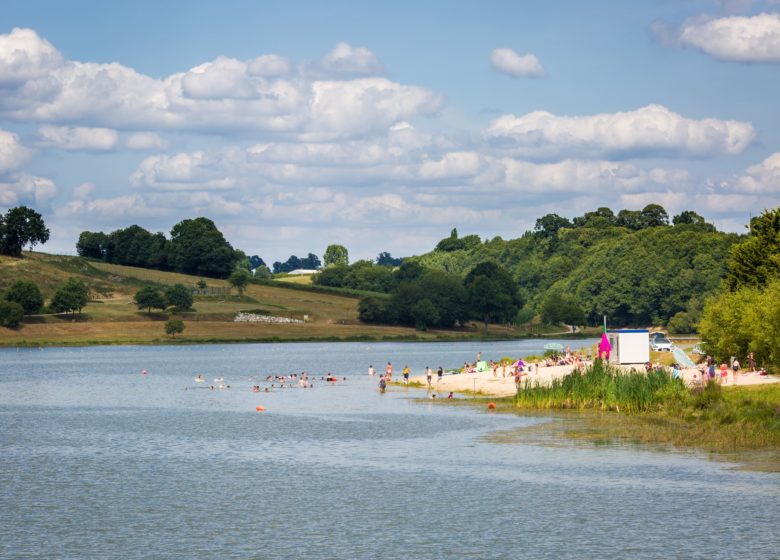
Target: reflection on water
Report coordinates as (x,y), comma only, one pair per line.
(100,461)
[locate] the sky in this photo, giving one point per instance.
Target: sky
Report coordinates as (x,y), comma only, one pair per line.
(381,126)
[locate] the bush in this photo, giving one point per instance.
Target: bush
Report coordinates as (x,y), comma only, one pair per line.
(173,326)
(11,314)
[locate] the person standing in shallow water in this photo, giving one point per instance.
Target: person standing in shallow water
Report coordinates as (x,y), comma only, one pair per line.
(440,372)
(406,375)
(429,375)
(371,370)
(389,372)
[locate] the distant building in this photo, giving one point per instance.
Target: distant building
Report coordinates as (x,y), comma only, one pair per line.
(302,272)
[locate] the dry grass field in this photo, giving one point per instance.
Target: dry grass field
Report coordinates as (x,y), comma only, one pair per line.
(111,316)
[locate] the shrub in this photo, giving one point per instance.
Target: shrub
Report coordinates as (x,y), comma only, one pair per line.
(11,314)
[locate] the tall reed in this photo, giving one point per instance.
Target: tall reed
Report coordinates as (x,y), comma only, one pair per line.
(605,387)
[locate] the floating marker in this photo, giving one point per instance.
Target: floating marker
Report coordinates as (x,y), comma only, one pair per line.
(260,408)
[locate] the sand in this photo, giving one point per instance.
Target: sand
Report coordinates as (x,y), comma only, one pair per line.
(484,383)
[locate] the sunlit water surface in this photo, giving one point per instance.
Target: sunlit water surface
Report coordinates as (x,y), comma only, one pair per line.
(99,461)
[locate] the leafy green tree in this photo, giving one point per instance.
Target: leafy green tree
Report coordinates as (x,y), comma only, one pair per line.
(601,218)
(255,262)
(631,219)
(336,255)
(447,295)
(26,294)
(561,309)
(492,293)
(11,314)
(92,245)
(425,314)
(179,296)
(19,227)
(239,279)
(262,272)
(756,260)
(70,297)
(174,327)
(654,215)
(198,247)
(372,310)
(148,298)
(548,226)
(386,259)
(333,276)
(409,271)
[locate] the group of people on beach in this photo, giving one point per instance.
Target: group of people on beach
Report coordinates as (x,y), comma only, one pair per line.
(709,370)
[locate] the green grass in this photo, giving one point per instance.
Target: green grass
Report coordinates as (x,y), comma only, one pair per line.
(658,409)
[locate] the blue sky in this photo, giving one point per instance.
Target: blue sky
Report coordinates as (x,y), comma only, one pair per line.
(381,126)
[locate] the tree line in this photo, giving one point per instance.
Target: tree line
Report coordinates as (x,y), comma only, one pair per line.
(638,267)
(195,246)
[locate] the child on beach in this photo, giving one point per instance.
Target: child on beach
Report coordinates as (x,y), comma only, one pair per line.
(406,375)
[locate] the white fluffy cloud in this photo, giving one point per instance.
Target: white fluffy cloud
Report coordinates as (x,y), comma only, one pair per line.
(734,38)
(25,56)
(509,62)
(224,95)
(23,188)
(346,59)
(78,138)
(187,172)
(651,131)
(12,153)
(761,178)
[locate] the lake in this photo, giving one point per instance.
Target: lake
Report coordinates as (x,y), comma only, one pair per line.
(100,461)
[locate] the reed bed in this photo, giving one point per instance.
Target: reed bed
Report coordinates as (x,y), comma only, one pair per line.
(605,388)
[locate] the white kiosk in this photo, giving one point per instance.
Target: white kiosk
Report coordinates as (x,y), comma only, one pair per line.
(629,346)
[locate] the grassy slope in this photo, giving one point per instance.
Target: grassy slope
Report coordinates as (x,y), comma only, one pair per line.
(111,315)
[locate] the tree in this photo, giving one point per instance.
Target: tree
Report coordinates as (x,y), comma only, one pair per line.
(70,297)
(239,279)
(601,218)
(492,293)
(21,226)
(311,262)
(148,298)
(92,245)
(386,259)
(198,247)
(631,219)
(654,215)
(26,294)
(336,254)
(180,297)
(560,309)
(255,262)
(371,310)
(173,326)
(425,314)
(11,314)
(262,272)
(548,226)
(756,260)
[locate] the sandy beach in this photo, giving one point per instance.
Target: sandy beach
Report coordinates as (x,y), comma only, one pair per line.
(485,384)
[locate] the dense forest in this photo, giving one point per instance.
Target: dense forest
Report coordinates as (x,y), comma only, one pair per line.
(636,267)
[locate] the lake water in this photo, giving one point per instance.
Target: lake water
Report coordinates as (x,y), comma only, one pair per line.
(99,461)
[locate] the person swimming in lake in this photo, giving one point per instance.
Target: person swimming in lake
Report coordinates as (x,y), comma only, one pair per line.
(382,384)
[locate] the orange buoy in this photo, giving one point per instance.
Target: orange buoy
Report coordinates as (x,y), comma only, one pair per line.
(260,408)
(491,405)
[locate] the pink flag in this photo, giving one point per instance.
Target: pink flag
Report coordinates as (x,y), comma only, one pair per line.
(604,346)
